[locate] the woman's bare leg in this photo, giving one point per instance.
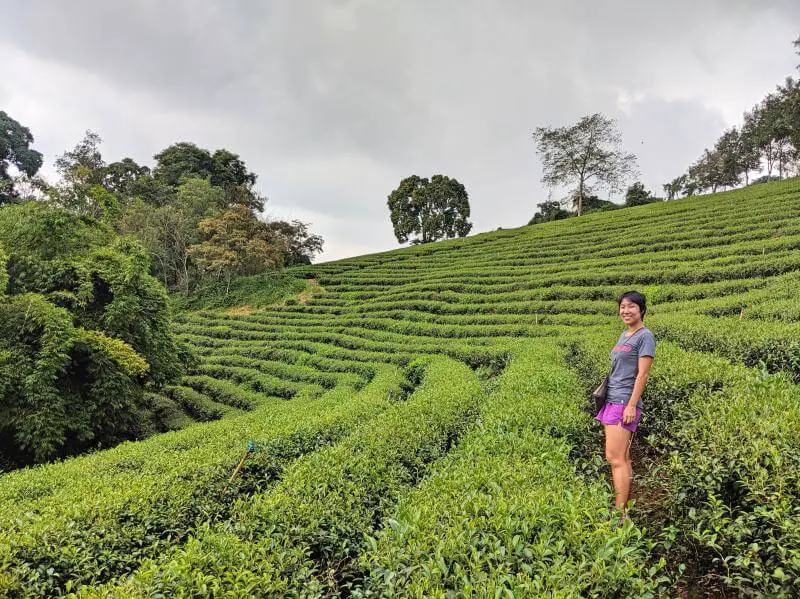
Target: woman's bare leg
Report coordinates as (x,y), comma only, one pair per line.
(617,447)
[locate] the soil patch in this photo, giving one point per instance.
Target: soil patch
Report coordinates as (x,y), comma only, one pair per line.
(315,289)
(240,310)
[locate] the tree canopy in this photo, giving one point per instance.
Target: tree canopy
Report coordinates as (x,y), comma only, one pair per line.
(587,155)
(16,152)
(223,169)
(432,209)
(637,195)
(163,207)
(550,210)
(235,243)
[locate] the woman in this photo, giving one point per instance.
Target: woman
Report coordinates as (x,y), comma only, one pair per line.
(631,359)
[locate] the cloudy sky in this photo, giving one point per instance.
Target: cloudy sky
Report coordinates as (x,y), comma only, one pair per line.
(332,103)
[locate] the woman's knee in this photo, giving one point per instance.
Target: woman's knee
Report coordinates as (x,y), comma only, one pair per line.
(615,458)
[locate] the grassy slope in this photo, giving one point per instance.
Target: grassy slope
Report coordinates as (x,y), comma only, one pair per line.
(258,291)
(721,271)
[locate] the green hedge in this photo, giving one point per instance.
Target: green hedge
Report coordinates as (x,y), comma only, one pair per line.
(506,514)
(773,346)
(91,519)
(304,534)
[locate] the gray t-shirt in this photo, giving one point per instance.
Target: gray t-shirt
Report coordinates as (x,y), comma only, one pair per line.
(625,364)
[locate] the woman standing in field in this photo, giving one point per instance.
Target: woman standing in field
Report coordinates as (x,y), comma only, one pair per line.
(631,359)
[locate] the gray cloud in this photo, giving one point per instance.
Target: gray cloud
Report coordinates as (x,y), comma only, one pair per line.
(333,102)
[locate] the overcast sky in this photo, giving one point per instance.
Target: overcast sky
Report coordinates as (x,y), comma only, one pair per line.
(332,103)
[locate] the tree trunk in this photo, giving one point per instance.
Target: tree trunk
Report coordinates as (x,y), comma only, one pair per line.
(186,274)
(580,197)
(768,157)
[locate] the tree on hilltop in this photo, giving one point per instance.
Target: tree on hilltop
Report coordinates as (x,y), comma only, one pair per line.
(432,209)
(550,210)
(587,154)
(674,188)
(637,195)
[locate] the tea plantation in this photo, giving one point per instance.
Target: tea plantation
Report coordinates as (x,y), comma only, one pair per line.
(419,430)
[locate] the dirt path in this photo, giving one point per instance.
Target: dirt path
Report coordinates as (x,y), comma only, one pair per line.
(315,289)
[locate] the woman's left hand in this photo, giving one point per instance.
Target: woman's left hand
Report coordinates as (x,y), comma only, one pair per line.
(629,415)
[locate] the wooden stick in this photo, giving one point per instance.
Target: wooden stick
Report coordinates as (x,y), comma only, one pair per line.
(237,469)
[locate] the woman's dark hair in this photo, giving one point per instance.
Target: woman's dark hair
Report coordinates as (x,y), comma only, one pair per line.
(637,298)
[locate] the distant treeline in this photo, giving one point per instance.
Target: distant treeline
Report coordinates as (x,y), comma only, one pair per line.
(589,154)
(768,142)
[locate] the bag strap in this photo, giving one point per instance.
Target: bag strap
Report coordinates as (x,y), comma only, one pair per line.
(636,331)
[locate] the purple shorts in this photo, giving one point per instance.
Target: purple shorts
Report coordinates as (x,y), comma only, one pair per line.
(611,413)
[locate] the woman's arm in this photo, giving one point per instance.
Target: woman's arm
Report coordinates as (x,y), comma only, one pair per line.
(645,362)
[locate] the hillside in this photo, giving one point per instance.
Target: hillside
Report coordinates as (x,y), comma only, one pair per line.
(418,427)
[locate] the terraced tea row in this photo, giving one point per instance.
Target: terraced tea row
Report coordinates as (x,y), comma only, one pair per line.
(96,517)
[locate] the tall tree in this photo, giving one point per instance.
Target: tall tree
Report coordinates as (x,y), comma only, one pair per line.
(16,152)
(182,161)
(82,171)
(727,159)
(432,209)
(235,243)
(229,169)
(84,163)
(637,195)
(748,156)
(674,188)
(297,243)
(587,154)
(167,231)
(123,176)
(768,127)
(789,98)
(223,168)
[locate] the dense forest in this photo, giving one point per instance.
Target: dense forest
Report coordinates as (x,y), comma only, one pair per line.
(86,265)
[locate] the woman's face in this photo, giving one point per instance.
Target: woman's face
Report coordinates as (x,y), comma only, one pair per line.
(629,312)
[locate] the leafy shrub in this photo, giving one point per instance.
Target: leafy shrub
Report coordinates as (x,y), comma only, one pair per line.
(84,330)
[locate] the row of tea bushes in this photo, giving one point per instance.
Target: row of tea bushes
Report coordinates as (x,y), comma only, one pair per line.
(94,518)
(305,532)
(769,345)
(506,514)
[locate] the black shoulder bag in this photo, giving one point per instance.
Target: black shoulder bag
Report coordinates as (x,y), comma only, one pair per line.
(598,396)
